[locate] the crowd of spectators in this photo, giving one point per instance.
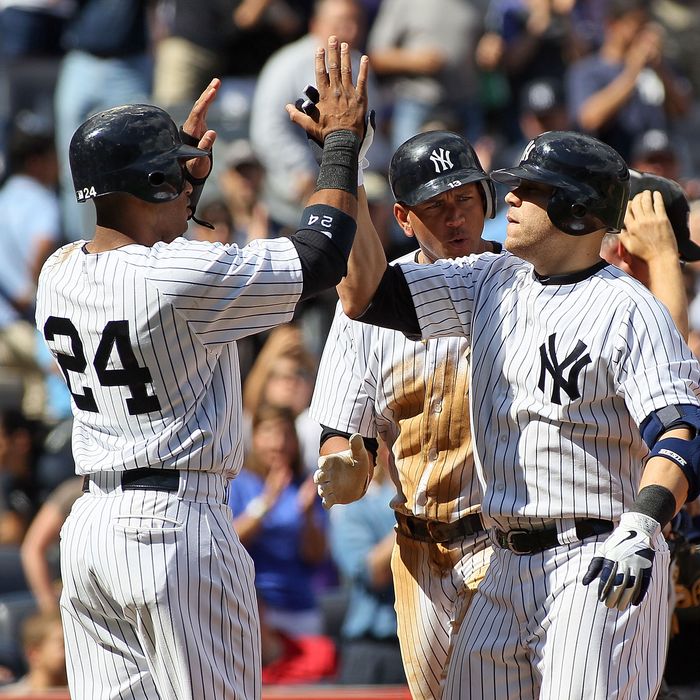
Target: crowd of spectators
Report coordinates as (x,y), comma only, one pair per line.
(497,71)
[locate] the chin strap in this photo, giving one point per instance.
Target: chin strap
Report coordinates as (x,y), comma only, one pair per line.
(196,182)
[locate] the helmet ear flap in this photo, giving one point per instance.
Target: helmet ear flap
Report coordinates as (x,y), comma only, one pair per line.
(490,195)
(569,216)
(578,210)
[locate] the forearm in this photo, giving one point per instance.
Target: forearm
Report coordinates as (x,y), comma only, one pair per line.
(391,61)
(666,283)
(366,264)
(38,574)
(602,106)
(334,444)
(328,225)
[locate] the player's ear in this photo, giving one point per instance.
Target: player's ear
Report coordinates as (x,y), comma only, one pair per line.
(401,214)
(622,253)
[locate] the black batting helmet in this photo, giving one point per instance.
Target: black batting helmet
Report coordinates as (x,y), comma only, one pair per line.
(135,149)
(433,162)
(590,179)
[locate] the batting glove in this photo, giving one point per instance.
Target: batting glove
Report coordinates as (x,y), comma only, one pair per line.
(342,477)
(625,567)
(307,102)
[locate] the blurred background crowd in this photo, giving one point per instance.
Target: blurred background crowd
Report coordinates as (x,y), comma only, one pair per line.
(497,71)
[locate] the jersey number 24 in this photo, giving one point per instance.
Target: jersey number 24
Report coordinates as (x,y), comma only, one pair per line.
(115,335)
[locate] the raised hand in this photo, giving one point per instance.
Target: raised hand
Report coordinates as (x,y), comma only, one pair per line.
(648,231)
(195,127)
(341,104)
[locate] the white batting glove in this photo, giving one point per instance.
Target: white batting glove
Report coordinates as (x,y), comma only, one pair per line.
(362,162)
(342,477)
(625,567)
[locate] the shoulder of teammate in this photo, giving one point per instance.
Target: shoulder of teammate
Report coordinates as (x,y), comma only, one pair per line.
(61,254)
(471,269)
(635,299)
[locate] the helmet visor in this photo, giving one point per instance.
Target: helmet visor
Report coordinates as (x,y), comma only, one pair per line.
(512,177)
(439,185)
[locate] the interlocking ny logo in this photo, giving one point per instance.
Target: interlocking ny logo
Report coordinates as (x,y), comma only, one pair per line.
(551,364)
(441,160)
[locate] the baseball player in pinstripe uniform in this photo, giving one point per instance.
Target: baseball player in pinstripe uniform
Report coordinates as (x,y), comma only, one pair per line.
(158,598)
(585,413)
(414,394)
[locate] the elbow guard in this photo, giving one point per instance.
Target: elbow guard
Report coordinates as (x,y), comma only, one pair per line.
(658,422)
(685,454)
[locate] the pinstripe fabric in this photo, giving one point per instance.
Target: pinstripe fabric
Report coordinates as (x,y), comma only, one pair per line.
(434,585)
(186,303)
(161,603)
(533,631)
(562,375)
(526,443)
(158,597)
(415,396)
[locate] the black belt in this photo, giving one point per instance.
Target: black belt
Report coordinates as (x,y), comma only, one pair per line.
(145,478)
(436,530)
(534,541)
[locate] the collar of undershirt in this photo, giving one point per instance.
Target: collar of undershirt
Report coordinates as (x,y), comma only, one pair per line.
(573,277)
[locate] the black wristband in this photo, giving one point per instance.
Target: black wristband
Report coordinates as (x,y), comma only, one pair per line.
(339,162)
(371,444)
(657,502)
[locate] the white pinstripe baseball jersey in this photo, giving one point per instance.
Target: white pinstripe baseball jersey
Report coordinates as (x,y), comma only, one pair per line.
(415,395)
(158,597)
(563,371)
(128,325)
(556,404)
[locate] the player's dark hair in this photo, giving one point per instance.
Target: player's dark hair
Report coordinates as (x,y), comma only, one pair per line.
(110,208)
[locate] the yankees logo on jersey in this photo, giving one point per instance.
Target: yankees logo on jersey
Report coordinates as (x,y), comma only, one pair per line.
(574,362)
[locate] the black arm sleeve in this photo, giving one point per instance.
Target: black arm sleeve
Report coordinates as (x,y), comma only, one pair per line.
(392,305)
(323,265)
